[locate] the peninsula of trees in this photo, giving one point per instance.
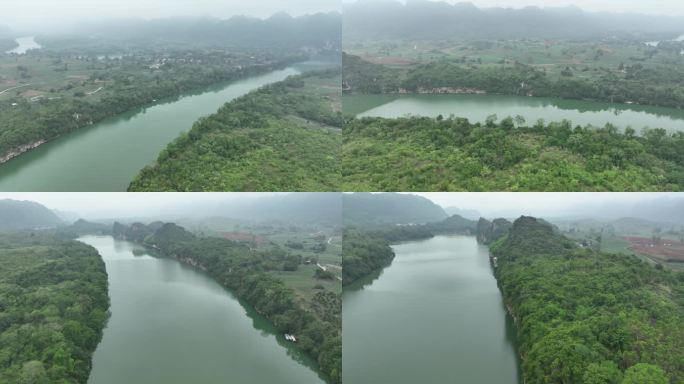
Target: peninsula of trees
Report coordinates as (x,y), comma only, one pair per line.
(585,316)
(246,273)
(283,137)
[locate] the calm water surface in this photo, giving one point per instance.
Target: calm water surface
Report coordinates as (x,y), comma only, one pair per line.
(477,107)
(108,155)
(171,324)
(25,44)
(434,316)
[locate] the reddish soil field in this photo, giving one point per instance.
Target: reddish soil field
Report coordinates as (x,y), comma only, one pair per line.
(245,237)
(663,249)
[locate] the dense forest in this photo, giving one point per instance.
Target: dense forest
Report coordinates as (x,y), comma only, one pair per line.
(53,308)
(366,250)
(282,137)
(649,86)
(131,82)
(589,317)
(362,254)
(420,153)
(634,83)
(245,273)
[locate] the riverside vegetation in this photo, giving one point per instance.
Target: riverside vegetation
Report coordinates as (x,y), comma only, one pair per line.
(617,59)
(67,90)
(585,316)
(248,274)
(284,136)
(420,153)
(53,308)
(74,80)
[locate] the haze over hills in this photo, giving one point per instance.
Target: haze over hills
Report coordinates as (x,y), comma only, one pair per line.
(422,19)
(369,209)
(17,215)
(663,209)
(321,30)
(294,207)
(470,214)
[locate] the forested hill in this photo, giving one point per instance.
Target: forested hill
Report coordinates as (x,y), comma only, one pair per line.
(280,31)
(422,19)
(370,209)
(490,231)
(53,308)
(245,272)
(589,317)
(16,215)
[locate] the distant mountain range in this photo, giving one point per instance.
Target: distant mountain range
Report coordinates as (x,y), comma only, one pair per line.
(321,30)
(469,214)
(306,207)
(376,209)
(18,215)
(423,19)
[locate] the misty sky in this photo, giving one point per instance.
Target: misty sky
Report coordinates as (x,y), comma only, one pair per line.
(32,13)
(121,205)
(498,204)
(663,7)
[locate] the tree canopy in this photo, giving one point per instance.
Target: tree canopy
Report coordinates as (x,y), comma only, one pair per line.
(589,317)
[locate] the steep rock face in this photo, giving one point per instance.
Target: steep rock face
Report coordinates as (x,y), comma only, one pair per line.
(491,231)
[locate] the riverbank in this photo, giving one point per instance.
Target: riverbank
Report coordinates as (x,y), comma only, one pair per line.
(24,148)
(281,141)
(185,326)
(584,309)
(237,268)
(624,84)
(83,115)
(90,159)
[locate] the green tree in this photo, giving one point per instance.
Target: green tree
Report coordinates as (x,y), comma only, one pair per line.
(643,373)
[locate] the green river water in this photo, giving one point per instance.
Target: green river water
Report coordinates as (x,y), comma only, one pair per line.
(174,325)
(435,315)
(108,155)
(477,107)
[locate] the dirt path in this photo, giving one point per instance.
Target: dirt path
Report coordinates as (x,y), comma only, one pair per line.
(17,87)
(95,91)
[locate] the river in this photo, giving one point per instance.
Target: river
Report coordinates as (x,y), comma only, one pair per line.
(435,315)
(172,324)
(106,156)
(477,107)
(25,44)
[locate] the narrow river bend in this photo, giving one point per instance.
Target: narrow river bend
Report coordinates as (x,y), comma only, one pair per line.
(174,325)
(108,155)
(435,315)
